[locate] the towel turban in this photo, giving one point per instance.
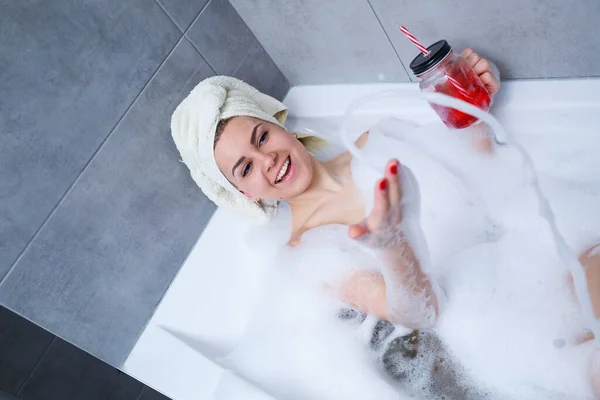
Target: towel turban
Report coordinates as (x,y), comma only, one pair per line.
(194,124)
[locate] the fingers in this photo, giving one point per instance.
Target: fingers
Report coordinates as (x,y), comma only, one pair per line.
(490,82)
(481,66)
(471,57)
(381,205)
(388,193)
(483,69)
(392,173)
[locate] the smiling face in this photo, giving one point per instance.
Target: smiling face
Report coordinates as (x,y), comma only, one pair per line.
(263,160)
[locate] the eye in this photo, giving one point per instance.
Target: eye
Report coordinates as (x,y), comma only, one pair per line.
(247,169)
(263,138)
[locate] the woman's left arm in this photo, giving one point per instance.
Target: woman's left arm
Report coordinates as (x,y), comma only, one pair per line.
(490,77)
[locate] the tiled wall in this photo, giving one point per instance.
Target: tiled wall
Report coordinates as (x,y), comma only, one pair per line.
(351,41)
(36,365)
(97,214)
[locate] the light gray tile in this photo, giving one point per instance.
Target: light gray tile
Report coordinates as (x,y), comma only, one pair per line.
(68,72)
(526,38)
(183,12)
(322,42)
(221,36)
(259,70)
(101,264)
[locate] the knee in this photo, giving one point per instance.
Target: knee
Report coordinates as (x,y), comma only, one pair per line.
(590,257)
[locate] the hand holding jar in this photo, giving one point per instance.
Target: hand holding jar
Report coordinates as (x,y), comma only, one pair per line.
(467,77)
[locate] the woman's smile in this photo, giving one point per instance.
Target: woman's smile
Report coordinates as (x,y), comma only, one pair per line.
(286,172)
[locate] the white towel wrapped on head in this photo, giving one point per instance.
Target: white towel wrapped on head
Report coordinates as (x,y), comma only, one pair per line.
(194,124)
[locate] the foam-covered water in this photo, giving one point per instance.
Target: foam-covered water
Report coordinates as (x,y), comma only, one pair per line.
(509,322)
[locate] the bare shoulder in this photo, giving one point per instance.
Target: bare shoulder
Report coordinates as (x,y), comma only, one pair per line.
(296,234)
(345,157)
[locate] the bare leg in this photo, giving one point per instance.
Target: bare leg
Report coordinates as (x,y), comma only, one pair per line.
(590,260)
(481,138)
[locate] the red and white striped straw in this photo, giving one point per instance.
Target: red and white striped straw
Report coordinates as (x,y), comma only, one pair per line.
(458,86)
(424,50)
(413,39)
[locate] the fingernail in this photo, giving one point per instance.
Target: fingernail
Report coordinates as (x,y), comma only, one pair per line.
(394,169)
(383,184)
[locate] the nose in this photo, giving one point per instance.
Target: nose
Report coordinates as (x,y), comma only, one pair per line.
(268,160)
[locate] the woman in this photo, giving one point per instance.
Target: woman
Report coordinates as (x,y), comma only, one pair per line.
(243,150)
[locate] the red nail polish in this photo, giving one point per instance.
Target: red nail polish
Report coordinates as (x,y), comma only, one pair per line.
(383,184)
(394,169)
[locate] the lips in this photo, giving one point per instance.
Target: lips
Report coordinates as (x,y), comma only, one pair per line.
(284,171)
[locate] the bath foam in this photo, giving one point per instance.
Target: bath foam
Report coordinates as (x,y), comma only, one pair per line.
(508,318)
(295,345)
(506,294)
(508,192)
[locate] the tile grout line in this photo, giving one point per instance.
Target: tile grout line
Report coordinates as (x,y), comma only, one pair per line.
(158,303)
(77,179)
(389,40)
(168,15)
(257,44)
(211,67)
(250,48)
(237,69)
(185,34)
(37,364)
(139,396)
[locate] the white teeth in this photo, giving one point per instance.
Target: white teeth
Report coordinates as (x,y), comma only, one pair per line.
(283,170)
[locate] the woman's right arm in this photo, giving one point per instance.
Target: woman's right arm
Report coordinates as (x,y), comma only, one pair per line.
(403,293)
(367,291)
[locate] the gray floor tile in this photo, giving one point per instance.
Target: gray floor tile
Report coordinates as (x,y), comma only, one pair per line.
(69,70)
(183,12)
(323,42)
(67,372)
(221,36)
(526,38)
(22,345)
(259,70)
(97,270)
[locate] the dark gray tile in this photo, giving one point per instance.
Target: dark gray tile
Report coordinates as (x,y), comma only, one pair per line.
(67,372)
(99,267)
(151,394)
(183,12)
(259,70)
(6,396)
(22,344)
(221,36)
(68,72)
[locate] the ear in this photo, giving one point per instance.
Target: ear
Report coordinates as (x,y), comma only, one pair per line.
(248,195)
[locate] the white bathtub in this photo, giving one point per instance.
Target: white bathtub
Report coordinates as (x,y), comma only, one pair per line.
(212,293)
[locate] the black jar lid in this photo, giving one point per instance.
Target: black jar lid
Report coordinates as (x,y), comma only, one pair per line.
(437,52)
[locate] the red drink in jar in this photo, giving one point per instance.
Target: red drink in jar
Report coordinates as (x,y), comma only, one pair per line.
(445,72)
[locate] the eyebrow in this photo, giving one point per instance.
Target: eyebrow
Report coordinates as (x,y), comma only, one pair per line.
(252,141)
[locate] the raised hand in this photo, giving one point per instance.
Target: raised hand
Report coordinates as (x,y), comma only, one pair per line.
(484,69)
(387,212)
